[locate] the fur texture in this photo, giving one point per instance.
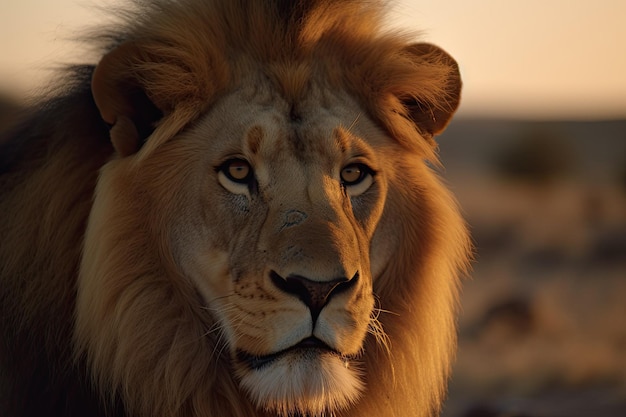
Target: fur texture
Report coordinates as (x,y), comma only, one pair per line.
(231,214)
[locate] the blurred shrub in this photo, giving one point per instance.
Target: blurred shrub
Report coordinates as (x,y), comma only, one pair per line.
(537,156)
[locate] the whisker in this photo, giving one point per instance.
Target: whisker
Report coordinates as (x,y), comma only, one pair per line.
(354,122)
(216,327)
(381,310)
(219,346)
(378,309)
(375,328)
(214,300)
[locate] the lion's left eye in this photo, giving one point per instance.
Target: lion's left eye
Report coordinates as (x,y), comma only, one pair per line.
(356,178)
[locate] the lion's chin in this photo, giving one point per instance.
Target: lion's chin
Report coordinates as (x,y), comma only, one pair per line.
(310,382)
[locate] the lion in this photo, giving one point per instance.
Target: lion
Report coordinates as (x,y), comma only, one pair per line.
(236,212)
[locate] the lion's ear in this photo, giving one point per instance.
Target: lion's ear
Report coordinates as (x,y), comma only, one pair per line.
(122,100)
(432,116)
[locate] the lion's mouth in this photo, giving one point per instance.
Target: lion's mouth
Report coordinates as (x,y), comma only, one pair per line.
(256,362)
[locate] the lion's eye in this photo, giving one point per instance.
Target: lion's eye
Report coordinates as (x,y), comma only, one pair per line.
(356,178)
(352,174)
(237,176)
(237,170)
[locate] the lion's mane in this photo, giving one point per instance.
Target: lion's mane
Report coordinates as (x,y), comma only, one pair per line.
(139,345)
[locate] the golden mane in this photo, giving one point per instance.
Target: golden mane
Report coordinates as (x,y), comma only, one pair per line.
(177,59)
(184,71)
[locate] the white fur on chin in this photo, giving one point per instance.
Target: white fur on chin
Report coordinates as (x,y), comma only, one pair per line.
(305,383)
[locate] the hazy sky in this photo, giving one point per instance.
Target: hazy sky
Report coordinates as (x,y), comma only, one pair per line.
(531,58)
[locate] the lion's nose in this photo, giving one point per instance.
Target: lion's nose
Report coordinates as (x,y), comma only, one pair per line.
(314,294)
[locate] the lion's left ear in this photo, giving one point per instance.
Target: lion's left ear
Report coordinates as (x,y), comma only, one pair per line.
(432,116)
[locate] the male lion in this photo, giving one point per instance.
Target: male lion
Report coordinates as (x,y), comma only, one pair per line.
(233,214)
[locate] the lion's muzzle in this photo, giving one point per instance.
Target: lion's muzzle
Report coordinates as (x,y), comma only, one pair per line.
(314,294)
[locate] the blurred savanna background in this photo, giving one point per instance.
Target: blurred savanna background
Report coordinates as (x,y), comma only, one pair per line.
(537,159)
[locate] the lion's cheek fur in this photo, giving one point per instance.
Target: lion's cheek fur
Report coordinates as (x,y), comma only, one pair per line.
(419,293)
(139,324)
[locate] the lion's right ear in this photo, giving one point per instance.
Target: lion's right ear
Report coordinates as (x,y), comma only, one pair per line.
(122,100)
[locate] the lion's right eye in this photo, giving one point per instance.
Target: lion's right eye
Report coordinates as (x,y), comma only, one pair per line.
(237,170)
(237,176)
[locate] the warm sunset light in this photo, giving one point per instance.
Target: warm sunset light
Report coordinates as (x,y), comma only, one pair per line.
(546,59)
(535,157)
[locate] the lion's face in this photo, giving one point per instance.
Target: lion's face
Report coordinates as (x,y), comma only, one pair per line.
(279,246)
(268,197)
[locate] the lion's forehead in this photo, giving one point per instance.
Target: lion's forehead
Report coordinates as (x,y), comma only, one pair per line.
(266,127)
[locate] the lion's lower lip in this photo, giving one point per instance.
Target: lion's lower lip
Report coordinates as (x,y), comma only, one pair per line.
(257,362)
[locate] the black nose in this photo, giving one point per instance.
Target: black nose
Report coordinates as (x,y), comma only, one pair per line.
(314,294)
